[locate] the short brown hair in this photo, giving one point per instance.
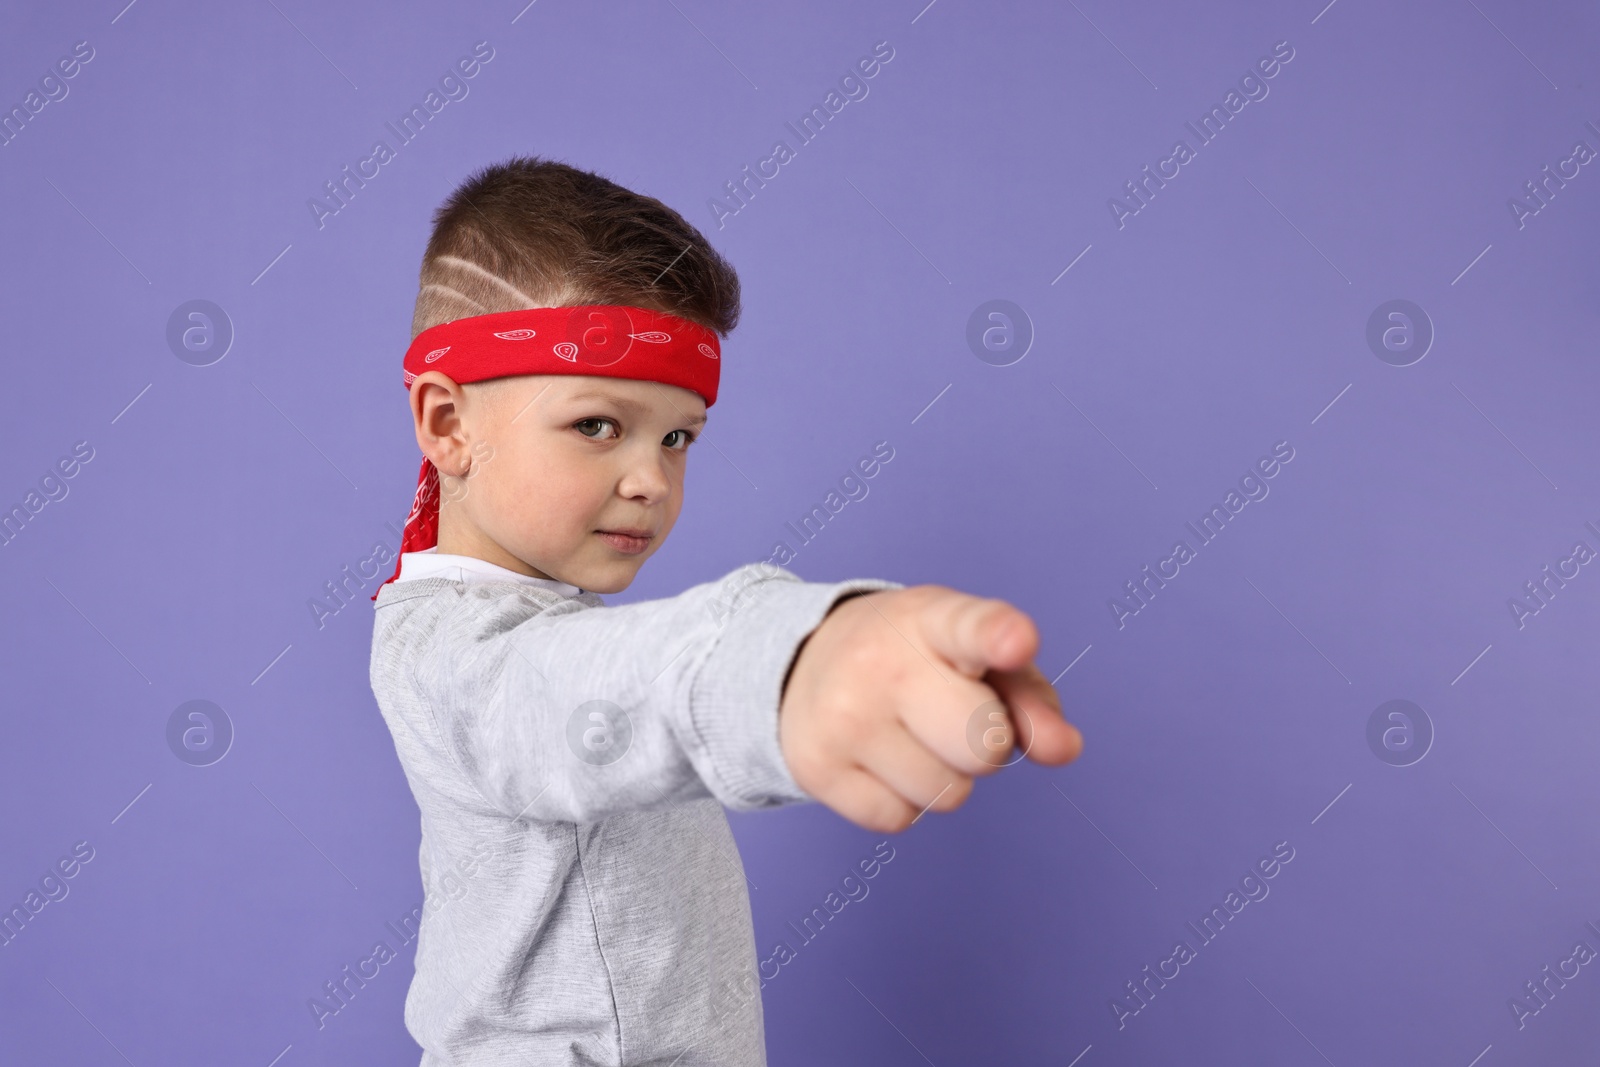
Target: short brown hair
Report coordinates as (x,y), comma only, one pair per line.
(531,232)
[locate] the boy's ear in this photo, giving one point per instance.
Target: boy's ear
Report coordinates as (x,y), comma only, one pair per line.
(436,406)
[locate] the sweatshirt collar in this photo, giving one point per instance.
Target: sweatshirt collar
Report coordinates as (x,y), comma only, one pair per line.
(431,563)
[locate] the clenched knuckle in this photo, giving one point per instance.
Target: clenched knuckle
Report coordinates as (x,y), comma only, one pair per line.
(957,794)
(845,724)
(897,820)
(862,657)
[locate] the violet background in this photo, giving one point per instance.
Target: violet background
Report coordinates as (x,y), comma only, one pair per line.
(1224,317)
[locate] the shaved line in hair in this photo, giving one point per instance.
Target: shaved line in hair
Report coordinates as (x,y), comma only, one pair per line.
(467,264)
(455,294)
(528,232)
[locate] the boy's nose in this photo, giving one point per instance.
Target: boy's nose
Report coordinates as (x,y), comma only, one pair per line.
(646,477)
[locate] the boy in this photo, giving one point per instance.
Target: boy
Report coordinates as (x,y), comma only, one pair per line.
(585,902)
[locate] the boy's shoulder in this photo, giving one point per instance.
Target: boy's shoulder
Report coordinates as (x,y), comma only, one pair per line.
(448,591)
(441,638)
(439,613)
(469,609)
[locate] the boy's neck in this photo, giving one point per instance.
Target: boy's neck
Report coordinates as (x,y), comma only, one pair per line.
(459,539)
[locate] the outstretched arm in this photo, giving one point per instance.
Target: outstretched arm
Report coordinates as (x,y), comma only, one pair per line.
(586,712)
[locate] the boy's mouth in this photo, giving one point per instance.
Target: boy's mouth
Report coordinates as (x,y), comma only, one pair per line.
(631,542)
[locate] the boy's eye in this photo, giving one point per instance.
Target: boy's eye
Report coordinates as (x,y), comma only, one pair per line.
(686,439)
(579,425)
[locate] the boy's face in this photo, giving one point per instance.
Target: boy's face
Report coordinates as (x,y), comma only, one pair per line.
(562,468)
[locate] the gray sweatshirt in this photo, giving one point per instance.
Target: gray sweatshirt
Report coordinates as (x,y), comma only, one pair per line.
(584,898)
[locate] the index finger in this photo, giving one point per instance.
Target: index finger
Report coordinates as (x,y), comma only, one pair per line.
(1042,730)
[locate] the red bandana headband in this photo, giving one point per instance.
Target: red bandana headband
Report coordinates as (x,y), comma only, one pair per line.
(605,340)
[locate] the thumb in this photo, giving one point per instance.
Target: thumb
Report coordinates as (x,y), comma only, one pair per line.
(979,634)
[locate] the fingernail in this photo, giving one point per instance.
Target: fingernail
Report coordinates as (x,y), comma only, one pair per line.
(1005,634)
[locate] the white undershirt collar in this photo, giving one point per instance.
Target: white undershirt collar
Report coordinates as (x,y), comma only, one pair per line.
(430,563)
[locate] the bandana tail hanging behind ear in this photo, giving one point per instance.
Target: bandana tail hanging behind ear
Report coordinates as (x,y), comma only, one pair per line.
(422,525)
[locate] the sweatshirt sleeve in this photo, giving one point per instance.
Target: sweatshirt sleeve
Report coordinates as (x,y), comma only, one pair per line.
(582,712)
